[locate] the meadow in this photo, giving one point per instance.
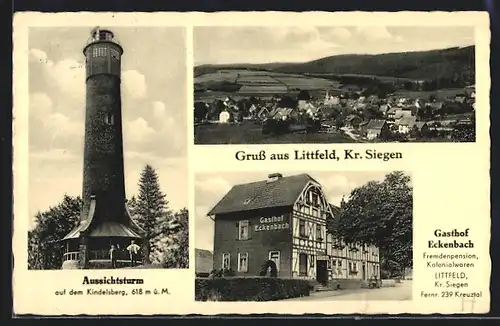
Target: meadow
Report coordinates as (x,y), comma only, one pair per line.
(255,83)
(251,133)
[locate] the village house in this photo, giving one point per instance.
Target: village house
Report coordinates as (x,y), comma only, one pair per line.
(406,124)
(224,116)
(284,220)
(421,127)
(353,121)
(327,112)
(282,114)
(399,114)
(391,113)
(460,98)
(376,129)
(263,113)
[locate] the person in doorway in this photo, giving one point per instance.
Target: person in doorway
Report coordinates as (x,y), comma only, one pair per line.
(133,250)
(113,256)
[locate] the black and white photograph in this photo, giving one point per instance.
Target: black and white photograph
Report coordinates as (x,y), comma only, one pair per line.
(339,84)
(318,236)
(107,148)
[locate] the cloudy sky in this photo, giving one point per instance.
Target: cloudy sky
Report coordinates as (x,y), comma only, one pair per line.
(211,187)
(216,45)
(153,104)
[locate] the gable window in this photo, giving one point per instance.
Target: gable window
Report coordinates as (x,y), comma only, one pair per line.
(302,264)
(243,262)
(247,201)
(243,230)
(315,199)
(226,261)
(109,119)
(275,257)
(302,228)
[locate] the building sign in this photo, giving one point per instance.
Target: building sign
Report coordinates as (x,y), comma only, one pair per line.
(272,223)
(322,258)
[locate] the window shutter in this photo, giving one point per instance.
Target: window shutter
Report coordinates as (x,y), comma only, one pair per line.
(249,230)
(237,230)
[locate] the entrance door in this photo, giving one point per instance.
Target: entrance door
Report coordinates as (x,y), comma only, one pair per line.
(364,272)
(321,271)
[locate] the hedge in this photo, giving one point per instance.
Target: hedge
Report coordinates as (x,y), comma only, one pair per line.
(249,288)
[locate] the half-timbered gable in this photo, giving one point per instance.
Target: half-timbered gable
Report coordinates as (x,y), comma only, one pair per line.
(310,213)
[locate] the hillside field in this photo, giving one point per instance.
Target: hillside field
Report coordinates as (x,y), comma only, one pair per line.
(249,83)
(250,133)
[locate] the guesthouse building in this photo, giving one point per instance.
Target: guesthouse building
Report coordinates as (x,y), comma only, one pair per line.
(284,219)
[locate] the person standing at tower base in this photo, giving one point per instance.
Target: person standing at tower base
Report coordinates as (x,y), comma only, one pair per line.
(133,249)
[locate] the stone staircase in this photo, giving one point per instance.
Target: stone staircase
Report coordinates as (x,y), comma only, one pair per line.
(317,287)
(320,287)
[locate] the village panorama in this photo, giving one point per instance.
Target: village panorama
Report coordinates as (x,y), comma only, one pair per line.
(419,96)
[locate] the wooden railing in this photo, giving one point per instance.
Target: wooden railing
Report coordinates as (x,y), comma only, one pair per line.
(99,255)
(72,255)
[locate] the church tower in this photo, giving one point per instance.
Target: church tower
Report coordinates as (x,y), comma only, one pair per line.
(104,218)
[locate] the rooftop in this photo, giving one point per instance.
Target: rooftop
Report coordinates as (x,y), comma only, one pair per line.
(277,191)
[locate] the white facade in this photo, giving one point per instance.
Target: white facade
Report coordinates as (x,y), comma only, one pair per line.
(224,117)
(404,129)
(360,262)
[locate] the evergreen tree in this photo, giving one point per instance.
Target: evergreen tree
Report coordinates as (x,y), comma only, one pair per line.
(45,250)
(150,211)
(380,213)
(173,247)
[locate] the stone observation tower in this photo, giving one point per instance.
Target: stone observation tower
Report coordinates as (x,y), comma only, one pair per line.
(104,219)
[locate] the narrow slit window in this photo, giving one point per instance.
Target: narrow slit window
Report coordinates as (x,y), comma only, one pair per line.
(109,119)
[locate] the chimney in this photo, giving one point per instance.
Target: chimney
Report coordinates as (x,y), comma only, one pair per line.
(274,176)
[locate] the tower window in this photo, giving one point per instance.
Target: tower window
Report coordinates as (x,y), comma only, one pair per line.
(99,52)
(109,119)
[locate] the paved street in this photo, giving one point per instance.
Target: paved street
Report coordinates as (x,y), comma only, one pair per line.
(402,291)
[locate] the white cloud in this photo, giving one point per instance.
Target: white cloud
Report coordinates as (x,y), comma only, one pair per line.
(134,84)
(339,34)
(59,125)
(158,109)
(374,33)
(39,56)
(69,75)
(40,105)
(55,154)
(208,191)
(338,184)
(138,131)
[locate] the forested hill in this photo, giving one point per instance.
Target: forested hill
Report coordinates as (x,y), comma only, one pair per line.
(444,63)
